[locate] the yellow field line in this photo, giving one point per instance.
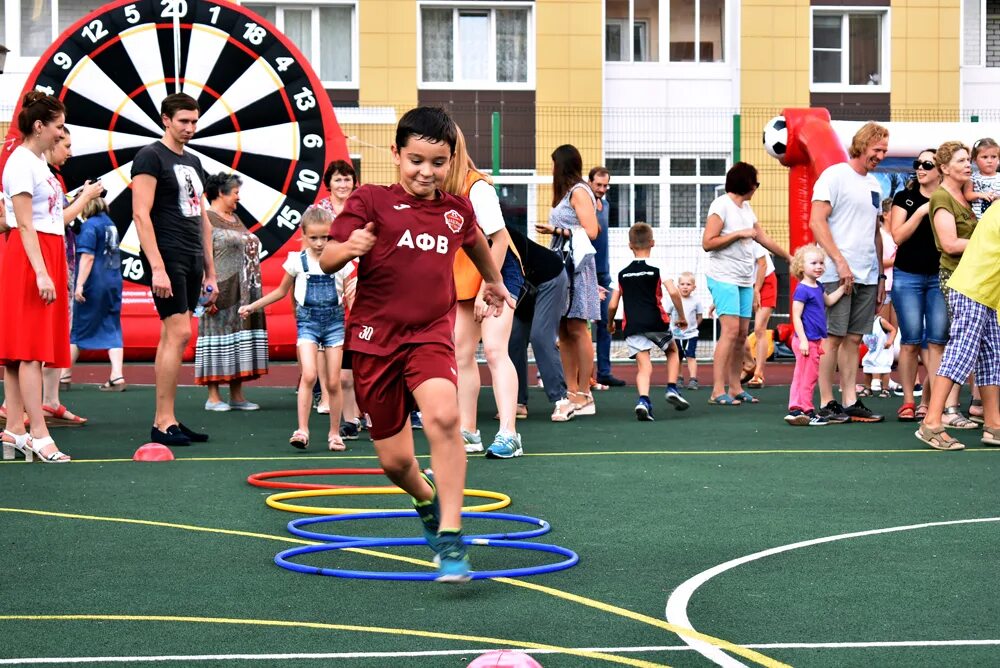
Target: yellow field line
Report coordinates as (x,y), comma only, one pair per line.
(608,453)
(501,642)
(598,605)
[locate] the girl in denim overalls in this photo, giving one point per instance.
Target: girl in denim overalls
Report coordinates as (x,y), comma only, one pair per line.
(319,317)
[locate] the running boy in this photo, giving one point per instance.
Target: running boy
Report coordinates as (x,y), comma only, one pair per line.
(646,324)
(400,332)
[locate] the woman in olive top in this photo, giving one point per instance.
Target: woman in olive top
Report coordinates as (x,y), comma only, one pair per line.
(953,222)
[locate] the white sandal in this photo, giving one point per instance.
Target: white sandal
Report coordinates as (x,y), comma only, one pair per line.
(299,439)
(56,457)
(19,443)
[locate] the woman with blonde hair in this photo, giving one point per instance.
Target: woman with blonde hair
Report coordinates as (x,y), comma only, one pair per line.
(952,221)
(471,325)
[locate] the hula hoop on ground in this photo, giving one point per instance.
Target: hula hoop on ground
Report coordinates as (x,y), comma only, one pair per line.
(295,526)
(263,479)
(282,559)
(277,500)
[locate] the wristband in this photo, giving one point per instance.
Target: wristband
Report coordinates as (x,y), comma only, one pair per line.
(883,277)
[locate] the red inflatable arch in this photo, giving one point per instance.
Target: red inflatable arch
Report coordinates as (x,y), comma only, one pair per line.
(812,147)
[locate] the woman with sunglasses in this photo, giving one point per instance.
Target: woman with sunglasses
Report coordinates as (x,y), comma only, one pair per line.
(916,291)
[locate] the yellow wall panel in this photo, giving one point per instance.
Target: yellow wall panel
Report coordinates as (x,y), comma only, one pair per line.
(388,30)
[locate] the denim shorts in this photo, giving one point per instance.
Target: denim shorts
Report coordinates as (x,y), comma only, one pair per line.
(321,326)
(920,308)
(687,348)
(513,277)
(731,299)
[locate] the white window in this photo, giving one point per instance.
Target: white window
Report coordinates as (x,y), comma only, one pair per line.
(672,191)
(850,50)
(633,203)
(326,35)
(697,31)
(981,33)
(28,27)
(476,46)
(694,184)
(630,30)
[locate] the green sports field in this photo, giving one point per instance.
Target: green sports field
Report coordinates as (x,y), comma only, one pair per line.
(692,520)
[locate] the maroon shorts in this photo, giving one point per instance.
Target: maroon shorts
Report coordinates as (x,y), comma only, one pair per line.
(384,384)
(769,291)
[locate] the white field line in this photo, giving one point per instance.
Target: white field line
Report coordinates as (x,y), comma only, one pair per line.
(677,604)
(470,652)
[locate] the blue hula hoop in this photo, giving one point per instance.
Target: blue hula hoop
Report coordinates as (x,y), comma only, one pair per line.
(295,526)
(282,559)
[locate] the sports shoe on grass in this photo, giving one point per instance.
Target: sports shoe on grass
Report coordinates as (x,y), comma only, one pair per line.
(505,446)
(350,430)
(430,513)
(693,384)
(797,418)
(416,420)
(834,413)
(675,399)
(817,420)
(473,441)
(644,410)
(453,559)
(858,412)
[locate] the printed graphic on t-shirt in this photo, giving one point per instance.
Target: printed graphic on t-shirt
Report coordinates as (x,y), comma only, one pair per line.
(55,199)
(110,246)
(454,220)
(189,190)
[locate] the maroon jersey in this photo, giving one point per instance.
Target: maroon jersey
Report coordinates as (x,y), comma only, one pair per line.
(406,284)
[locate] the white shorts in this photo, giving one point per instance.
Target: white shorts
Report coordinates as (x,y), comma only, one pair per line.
(638,343)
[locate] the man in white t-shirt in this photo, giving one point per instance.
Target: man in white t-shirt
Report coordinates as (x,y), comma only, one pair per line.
(846,203)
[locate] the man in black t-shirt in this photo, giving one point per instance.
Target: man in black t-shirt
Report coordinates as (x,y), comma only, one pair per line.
(170,213)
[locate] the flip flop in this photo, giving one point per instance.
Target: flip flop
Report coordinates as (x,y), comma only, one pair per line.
(724,400)
(937,438)
(114,385)
(747,398)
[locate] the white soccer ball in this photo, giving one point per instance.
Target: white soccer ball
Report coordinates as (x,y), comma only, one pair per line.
(776,137)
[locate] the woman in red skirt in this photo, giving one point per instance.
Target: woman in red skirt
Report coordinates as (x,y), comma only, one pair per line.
(33,275)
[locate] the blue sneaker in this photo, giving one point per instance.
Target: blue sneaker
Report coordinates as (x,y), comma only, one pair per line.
(416,420)
(452,558)
(430,513)
(675,399)
(644,410)
(505,446)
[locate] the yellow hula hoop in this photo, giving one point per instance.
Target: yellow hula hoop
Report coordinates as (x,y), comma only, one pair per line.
(277,501)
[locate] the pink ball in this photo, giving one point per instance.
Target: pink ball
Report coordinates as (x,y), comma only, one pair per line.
(504,658)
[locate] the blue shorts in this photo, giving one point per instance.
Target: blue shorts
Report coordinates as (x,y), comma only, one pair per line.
(687,348)
(321,326)
(513,277)
(731,299)
(920,308)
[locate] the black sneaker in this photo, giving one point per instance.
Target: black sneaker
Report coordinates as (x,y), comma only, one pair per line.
(611,381)
(834,413)
(173,436)
(193,435)
(858,412)
(349,430)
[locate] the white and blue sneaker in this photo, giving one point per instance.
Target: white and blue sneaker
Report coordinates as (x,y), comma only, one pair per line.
(675,399)
(505,446)
(472,440)
(644,410)
(416,420)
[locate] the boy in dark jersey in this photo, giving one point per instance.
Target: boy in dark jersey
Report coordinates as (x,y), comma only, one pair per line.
(646,324)
(400,332)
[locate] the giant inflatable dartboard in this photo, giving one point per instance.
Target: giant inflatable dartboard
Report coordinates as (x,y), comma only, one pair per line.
(264,113)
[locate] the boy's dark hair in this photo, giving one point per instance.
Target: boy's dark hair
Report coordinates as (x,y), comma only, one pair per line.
(741,179)
(178,102)
(567,171)
(430,123)
(640,236)
(37,106)
(600,170)
(339,167)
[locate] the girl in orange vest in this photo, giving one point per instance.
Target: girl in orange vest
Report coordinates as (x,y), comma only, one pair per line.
(470,325)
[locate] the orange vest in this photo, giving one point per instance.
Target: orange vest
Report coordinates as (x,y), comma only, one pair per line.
(467,277)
